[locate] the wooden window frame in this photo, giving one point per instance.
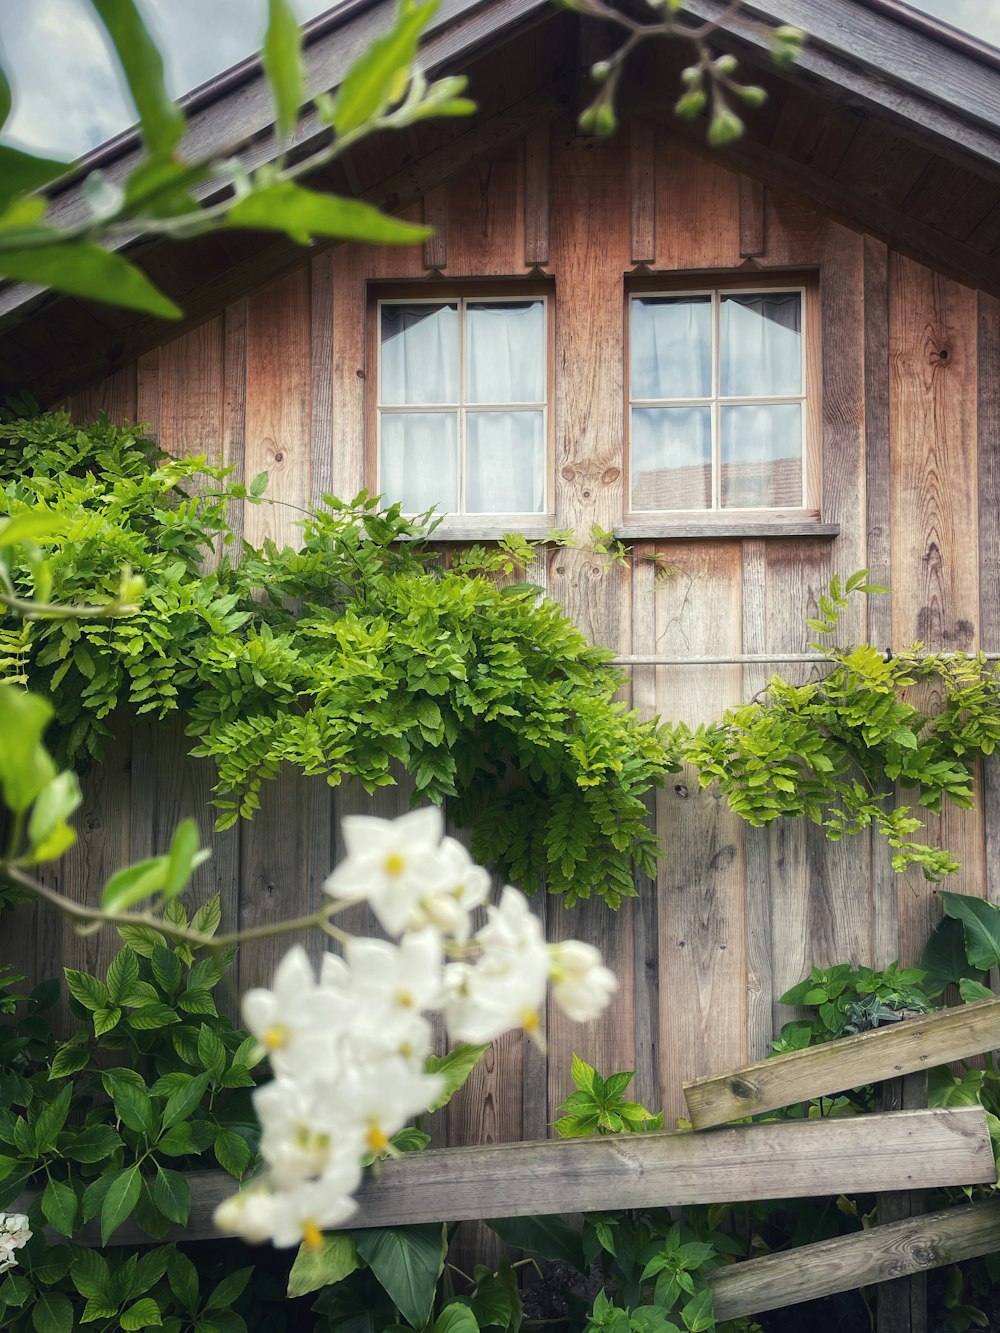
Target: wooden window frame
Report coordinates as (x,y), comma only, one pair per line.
(801,519)
(462,526)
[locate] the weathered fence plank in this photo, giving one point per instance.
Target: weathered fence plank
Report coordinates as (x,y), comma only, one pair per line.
(784,1159)
(850,1062)
(845,1262)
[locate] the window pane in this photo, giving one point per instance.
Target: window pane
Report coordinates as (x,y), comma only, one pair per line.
(671,458)
(420,460)
(505,352)
(761,451)
(760,349)
(671,346)
(505,463)
(419,354)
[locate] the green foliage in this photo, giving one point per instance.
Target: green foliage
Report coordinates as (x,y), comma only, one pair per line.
(598,1106)
(364,653)
(833,749)
(850,999)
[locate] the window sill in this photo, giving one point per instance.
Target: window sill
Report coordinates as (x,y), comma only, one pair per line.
(486,528)
(688,529)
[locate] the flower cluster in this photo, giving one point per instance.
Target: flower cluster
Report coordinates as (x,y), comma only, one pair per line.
(348,1048)
(14,1233)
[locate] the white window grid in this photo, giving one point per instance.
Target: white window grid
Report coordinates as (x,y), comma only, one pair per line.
(462,407)
(717,401)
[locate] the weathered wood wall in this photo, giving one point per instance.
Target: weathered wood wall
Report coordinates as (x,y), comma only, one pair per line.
(909,412)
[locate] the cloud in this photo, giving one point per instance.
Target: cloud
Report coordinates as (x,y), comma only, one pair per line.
(68,96)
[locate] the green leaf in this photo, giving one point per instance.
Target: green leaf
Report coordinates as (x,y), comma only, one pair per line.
(183,857)
(94,1144)
(121,1198)
(143,939)
(582,1074)
(455,1068)
(456,1319)
(167,970)
(698,1314)
(408,1262)
(122,974)
(90,1275)
(283,65)
(59,1204)
(87,990)
(304,214)
(971,991)
(135,882)
(379,77)
(172,1194)
(81,268)
(312,1269)
(229,1289)
(47,829)
(132,1102)
(982,927)
(21,173)
(259,484)
(106,1019)
(143,1314)
(51,1119)
(211,1052)
(944,1089)
(149,1017)
(549,1237)
(231,1152)
(25,765)
(52,1313)
(944,959)
(183,1278)
(31,524)
(181,1103)
(68,1061)
(161,122)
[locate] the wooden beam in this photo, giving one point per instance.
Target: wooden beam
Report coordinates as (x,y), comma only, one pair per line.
(850,1062)
(642,174)
(537,154)
(436,216)
(783,1159)
(752,234)
(880,1254)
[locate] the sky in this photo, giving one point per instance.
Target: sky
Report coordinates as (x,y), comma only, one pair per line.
(67,98)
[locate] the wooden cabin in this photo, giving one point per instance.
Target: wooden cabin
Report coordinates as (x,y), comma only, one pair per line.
(832,281)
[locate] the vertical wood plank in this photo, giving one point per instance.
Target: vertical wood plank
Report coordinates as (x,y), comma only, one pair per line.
(697,210)
(486,217)
(114,395)
(642,192)
(234,406)
(988,470)
(935,549)
(536,194)
(885,923)
(350,368)
(589,251)
(752,235)
(278,405)
(902,1303)
(703,993)
(147,405)
(191,387)
(322,408)
(436,216)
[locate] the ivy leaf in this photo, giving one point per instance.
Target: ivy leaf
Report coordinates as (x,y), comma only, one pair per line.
(336,1259)
(304,214)
(283,65)
(172,1195)
(161,122)
(59,1204)
(120,1200)
(81,268)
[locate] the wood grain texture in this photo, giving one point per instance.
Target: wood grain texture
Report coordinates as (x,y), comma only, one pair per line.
(114,395)
(752,218)
(537,193)
(988,478)
(869,1057)
(436,216)
(350,368)
(786,1159)
(278,405)
(843,1263)
(486,217)
(902,1302)
(702,997)
(322,407)
(697,209)
(935,547)
(795,230)
(642,191)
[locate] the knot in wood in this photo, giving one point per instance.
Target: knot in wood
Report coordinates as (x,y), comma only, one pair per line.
(610,475)
(741,1088)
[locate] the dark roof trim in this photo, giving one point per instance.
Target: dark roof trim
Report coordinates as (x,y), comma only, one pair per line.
(942,32)
(927,90)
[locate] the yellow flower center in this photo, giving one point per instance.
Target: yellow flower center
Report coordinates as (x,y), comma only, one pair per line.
(276,1037)
(377,1139)
(312,1237)
(394,864)
(404,999)
(530,1022)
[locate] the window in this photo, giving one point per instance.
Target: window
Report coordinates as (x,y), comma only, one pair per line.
(719,402)
(462,415)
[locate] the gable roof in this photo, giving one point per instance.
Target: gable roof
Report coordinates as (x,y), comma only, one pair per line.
(885,117)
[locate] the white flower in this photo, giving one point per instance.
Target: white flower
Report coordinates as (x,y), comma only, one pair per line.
(458,886)
(392,985)
(581,985)
(287,1217)
(14,1233)
(381,1098)
(389,862)
(298,1021)
(306,1133)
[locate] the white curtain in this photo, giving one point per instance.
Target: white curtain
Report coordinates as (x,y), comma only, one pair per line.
(420,460)
(504,463)
(505,352)
(419,354)
(671,458)
(671,347)
(761,456)
(760,345)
